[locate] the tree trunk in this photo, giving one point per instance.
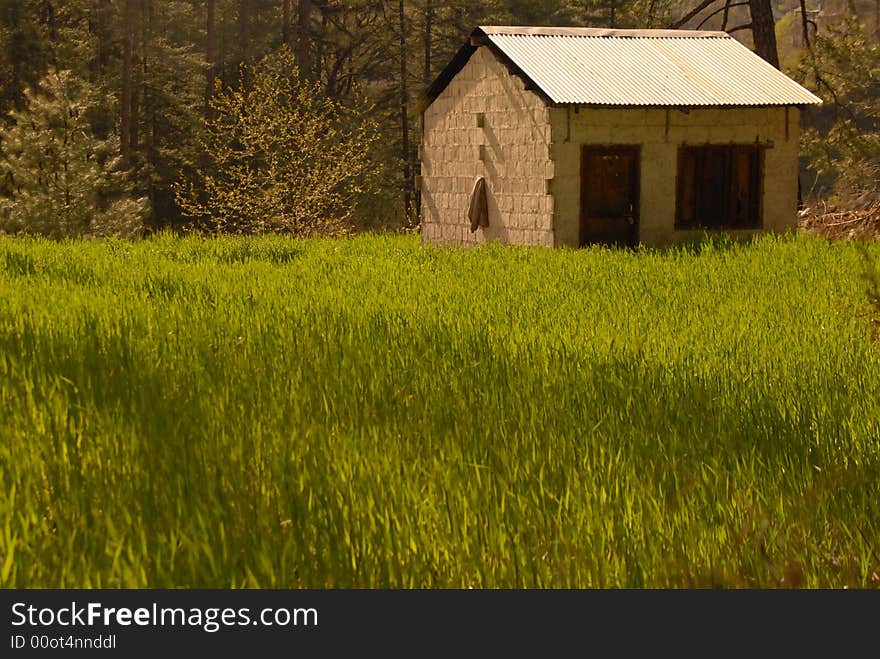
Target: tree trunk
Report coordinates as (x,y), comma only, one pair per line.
(139,72)
(99,28)
(429,20)
(126,92)
(47,16)
(304,38)
(222,76)
(148,105)
(133,124)
(210,56)
(244,40)
(317,53)
(877,19)
(47,11)
(147,110)
(805,24)
(285,23)
(404,115)
(764,31)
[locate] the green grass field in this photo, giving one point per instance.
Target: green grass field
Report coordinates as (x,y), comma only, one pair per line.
(367,413)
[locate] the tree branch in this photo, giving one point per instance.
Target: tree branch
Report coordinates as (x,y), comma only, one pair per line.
(651,13)
(746,26)
(805,24)
(725,9)
(693,12)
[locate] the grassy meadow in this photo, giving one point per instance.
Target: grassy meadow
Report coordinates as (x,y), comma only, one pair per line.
(363,412)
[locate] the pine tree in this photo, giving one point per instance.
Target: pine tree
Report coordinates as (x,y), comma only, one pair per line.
(59,179)
(25,50)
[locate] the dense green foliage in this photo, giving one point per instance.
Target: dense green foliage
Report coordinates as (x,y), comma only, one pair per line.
(62,180)
(842,140)
(365,412)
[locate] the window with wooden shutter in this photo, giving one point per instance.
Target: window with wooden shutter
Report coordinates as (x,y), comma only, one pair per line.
(719,187)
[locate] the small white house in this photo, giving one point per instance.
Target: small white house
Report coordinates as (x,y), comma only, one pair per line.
(574,136)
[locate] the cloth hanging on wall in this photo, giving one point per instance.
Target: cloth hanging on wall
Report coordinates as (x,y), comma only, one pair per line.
(478,209)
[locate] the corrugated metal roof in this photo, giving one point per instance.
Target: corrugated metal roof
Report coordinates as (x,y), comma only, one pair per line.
(590,66)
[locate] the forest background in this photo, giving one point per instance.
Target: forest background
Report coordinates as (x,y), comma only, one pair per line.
(247,116)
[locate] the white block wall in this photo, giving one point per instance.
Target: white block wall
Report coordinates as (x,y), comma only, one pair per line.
(516,162)
(647,128)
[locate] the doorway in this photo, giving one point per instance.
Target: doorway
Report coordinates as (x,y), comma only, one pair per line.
(609,196)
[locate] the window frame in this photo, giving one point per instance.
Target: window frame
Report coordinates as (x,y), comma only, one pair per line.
(698,153)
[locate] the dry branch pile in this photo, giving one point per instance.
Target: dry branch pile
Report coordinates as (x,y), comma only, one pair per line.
(861,221)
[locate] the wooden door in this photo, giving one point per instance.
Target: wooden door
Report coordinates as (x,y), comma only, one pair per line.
(610,195)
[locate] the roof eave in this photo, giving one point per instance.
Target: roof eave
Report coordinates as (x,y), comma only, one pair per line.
(478,38)
(456,64)
(645,106)
(600,32)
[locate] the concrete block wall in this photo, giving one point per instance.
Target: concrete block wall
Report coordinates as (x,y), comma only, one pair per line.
(511,150)
(659,137)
